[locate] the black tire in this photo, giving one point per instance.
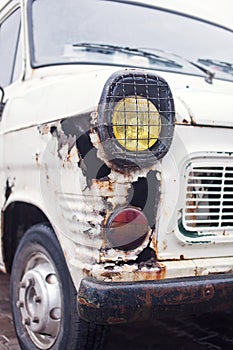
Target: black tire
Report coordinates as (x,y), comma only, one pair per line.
(44,300)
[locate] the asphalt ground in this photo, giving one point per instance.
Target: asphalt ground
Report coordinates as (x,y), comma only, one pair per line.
(208,331)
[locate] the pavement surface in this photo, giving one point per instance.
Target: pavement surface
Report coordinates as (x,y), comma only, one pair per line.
(208,331)
(7,334)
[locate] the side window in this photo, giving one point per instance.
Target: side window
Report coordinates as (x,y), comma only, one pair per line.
(10,49)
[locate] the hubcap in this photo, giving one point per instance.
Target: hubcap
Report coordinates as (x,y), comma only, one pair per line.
(39,301)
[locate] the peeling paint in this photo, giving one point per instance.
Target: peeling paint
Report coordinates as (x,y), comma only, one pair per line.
(9,188)
(62,162)
(100,187)
(79,145)
(126,272)
(185,110)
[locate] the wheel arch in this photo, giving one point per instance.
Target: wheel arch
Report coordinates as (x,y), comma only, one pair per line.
(17,218)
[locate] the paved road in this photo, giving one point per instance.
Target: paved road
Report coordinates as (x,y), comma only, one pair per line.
(209,331)
(7,334)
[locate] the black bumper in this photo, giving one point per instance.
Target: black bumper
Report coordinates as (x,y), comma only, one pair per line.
(112,303)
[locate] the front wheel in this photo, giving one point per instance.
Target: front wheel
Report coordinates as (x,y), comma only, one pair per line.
(44,300)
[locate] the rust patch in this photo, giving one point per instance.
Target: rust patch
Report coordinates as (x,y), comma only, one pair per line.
(86,272)
(132,272)
(111,275)
(141,189)
(148,301)
(160,272)
(104,184)
(192,202)
(87,303)
(139,301)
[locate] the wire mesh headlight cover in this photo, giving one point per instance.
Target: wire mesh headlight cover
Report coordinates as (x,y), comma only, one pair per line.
(136,123)
(136,119)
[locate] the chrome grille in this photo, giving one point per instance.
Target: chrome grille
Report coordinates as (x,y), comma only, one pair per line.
(209,197)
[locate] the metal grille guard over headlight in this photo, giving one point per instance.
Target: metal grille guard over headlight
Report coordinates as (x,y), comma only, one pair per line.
(135,119)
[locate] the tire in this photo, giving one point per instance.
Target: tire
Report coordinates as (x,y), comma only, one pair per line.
(44,299)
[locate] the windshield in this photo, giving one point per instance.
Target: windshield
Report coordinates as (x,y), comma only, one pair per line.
(78,31)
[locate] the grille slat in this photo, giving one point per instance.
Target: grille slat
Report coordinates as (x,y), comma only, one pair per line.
(208,196)
(203,192)
(200,214)
(209,200)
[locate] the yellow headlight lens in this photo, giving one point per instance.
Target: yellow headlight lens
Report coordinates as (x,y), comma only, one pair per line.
(136,123)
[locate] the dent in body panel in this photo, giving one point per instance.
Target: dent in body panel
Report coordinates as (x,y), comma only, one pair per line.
(98,190)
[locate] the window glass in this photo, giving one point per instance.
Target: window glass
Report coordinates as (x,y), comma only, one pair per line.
(9,37)
(18,59)
(108,32)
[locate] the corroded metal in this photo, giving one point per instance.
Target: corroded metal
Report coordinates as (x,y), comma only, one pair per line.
(112,303)
(101,189)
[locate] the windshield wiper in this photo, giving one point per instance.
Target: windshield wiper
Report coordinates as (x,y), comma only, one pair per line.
(225,67)
(111,49)
(209,74)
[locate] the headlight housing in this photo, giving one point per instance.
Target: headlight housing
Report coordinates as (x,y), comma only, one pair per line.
(135,119)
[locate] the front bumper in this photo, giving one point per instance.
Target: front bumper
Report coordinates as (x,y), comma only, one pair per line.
(112,303)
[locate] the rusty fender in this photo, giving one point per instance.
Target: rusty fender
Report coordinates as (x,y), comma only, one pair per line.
(114,303)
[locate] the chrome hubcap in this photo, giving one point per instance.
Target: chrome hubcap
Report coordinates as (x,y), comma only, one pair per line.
(39,301)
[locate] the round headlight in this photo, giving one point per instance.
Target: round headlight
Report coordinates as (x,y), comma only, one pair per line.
(136,119)
(136,123)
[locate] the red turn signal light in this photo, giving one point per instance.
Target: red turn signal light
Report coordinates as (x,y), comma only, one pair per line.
(127,229)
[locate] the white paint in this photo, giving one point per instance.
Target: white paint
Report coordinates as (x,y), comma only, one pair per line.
(49,94)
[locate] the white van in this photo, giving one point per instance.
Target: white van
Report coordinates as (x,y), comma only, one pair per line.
(116,166)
